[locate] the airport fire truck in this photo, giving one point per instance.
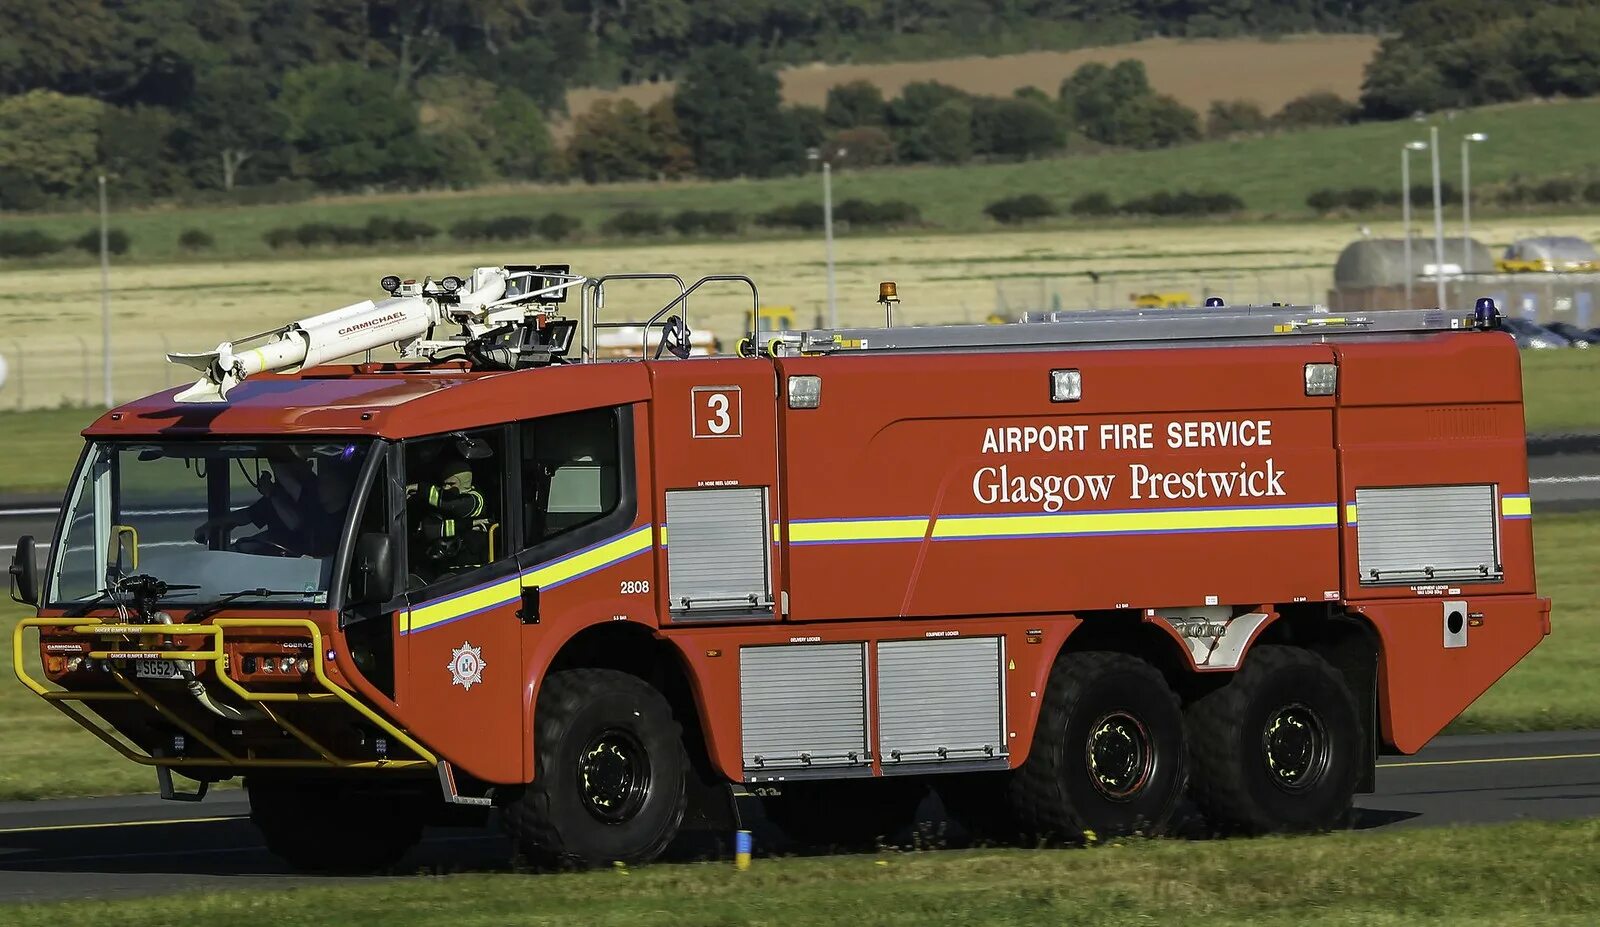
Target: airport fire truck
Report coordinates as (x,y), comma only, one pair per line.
(1061,572)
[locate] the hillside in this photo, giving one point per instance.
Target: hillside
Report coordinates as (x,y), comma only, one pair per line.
(1272,174)
(1270,72)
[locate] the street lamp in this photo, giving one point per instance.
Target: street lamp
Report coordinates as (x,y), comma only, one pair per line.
(1438,219)
(1467,141)
(815,154)
(1405,205)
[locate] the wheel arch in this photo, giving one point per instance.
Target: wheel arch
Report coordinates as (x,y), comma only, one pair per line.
(636,649)
(1352,646)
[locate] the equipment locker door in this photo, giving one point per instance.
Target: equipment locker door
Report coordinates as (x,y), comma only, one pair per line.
(715,449)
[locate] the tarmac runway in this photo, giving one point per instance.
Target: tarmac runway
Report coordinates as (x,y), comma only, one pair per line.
(139,845)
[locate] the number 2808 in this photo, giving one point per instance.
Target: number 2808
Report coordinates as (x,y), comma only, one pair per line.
(636,587)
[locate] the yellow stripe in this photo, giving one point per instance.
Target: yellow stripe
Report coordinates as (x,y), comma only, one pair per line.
(96,825)
(1512,505)
(866,529)
(604,555)
(510,588)
(1350,514)
(1493,759)
(1300,516)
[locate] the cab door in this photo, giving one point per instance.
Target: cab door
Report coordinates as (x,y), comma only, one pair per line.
(715,448)
(462,693)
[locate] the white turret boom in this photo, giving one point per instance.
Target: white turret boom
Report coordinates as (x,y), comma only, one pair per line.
(494,298)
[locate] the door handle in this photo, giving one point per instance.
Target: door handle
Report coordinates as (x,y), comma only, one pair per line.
(529,612)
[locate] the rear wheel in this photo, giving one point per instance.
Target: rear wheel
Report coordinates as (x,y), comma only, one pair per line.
(610,774)
(846,813)
(1108,756)
(1278,748)
(335,827)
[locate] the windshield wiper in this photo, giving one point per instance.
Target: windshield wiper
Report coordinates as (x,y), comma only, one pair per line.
(139,592)
(202,612)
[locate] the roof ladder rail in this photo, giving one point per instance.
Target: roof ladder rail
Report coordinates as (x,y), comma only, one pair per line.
(1112,327)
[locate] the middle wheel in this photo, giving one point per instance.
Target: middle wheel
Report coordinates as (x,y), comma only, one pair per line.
(1108,754)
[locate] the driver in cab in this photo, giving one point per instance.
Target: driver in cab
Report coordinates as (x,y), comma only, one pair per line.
(446,515)
(301,511)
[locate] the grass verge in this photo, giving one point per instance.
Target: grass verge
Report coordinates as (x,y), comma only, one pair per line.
(1464,877)
(48,756)
(39,448)
(1272,174)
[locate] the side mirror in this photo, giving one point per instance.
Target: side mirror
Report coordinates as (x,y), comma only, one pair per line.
(372,569)
(25,573)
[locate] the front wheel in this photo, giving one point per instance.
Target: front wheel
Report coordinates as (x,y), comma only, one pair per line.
(1278,748)
(1108,756)
(335,827)
(610,774)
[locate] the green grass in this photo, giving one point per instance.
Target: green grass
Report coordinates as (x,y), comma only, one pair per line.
(39,448)
(1273,175)
(1464,877)
(48,756)
(1552,688)
(1561,391)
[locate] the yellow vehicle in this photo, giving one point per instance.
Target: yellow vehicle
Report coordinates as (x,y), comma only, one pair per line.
(772,319)
(1176,299)
(1522,266)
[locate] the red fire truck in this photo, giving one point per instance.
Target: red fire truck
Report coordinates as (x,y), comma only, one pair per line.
(1062,571)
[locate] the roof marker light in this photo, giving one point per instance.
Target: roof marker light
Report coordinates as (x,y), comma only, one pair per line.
(1066,385)
(1322,379)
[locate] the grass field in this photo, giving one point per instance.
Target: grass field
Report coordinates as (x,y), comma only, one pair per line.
(1273,174)
(1468,877)
(49,756)
(50,318)
(1195,71)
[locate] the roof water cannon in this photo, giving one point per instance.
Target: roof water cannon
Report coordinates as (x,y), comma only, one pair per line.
(494,303)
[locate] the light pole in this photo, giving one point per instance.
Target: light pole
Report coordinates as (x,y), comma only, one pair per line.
(1438,219)
(1405,205)
(1467,142)
(827,223)
(105,297)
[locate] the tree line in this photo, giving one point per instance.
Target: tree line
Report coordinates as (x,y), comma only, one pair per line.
(256,100)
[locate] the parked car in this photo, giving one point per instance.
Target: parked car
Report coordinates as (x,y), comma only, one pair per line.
(1530,334)
(1579,337)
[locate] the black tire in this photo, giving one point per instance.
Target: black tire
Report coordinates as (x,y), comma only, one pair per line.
(610,774)
(845,813)
(334,827)
(1277,749)
(1108,756)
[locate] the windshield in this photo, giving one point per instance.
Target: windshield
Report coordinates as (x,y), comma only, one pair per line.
(220,516)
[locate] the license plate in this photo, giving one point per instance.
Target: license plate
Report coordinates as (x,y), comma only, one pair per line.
(162,669)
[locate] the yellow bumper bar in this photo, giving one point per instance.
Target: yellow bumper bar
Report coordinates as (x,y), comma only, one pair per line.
(328,692)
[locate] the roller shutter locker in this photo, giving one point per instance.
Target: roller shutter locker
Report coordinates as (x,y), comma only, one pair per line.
(941,700)
(718,549)
(1419,534)
(803,706)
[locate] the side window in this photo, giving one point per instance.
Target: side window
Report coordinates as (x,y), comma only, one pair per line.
(455,492)
(571,472)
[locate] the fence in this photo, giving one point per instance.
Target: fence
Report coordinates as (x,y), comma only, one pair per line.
(1016,295)
(49,371)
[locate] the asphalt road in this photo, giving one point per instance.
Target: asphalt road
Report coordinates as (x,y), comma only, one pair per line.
(119,847)
(1557,482)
